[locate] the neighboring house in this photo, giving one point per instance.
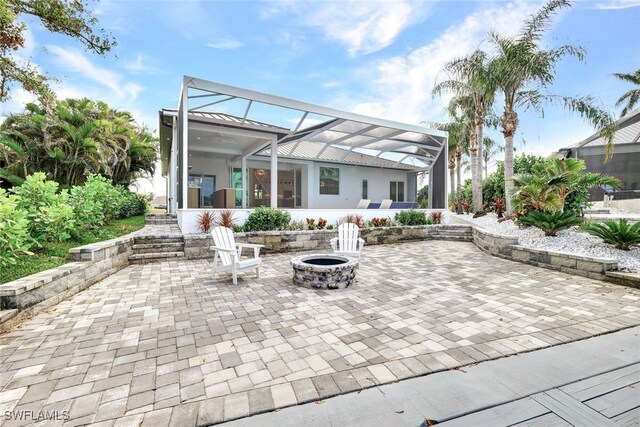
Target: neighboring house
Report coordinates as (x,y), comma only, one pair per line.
(624,164)
(227,147)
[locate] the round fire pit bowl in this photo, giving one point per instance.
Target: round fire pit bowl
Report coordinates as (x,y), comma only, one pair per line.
(320,271)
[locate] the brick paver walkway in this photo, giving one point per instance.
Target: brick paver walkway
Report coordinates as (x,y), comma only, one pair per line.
(162,343)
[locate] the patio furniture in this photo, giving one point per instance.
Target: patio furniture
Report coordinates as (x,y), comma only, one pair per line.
(347,243)
(363,204)
(229,253)
(385,203)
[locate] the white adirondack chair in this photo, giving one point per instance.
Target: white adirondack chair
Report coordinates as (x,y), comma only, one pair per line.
(347,243)
(229,253)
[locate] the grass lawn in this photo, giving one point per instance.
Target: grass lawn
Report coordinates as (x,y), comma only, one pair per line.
(53,254)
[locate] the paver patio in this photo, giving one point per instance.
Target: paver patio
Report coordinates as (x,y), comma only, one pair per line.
(163,343)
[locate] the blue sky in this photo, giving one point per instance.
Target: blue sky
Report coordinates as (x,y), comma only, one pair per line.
(379,58)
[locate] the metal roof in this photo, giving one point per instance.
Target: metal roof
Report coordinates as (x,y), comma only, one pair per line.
(315,132)
(628,132)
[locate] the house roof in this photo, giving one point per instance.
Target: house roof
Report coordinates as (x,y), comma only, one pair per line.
(628,132)
(306,131)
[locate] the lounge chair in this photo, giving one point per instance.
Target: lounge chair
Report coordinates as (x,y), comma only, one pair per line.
(348,242)
(386,203)
(364,204)
(229,253)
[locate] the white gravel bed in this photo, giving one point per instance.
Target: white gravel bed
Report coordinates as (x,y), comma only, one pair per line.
(569,241)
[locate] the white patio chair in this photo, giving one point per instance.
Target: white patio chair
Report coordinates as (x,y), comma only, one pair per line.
(385,204)
(363,204)
(229,253)
(347,243)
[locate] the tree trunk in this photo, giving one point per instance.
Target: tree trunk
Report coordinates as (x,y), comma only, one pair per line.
(477,175)
(452,181)
(459,179)
(508,170)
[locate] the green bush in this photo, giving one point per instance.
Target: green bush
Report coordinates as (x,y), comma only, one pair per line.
(14,231)
(132,204)
(620,234)
(412,217)
(550,223)
(50,216)
(265,219)
(89,213)
(104,193)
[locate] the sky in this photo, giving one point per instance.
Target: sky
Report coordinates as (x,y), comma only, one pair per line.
(378,58)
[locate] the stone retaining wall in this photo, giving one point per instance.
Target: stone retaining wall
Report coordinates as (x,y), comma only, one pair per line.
(89,264)
(197,245)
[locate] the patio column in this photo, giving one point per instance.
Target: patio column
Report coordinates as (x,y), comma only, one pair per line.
(172,203)
(243,170)
(274,173)
(184,118)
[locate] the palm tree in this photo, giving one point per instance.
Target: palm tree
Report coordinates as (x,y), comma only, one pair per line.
(472,85)
(490,148)
(632,97)
(522,69)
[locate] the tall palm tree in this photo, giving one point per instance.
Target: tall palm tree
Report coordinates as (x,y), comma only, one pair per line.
(522,71)
(490,148)
(471,83)
(632,97)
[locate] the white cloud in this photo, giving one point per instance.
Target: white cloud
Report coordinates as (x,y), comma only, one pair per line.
(74,61)
(225,44)
(618,4)
(400,87)
(363,26)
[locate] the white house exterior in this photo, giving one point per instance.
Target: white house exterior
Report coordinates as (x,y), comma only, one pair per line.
(218,150)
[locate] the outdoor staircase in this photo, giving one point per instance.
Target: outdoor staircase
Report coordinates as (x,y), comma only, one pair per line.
(163,242)
(161,219)
(153,248)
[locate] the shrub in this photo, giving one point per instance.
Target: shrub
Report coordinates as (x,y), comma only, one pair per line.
(620,234)
(436,217)
(265,219)
(132,204)
(14,231)
(330,227)
(206,221)
(499,206)
(466,207)
(238,229)
(296,225)
(226,219)
(379,222)
(353,218)
(89,213)
(322,223)
(50,216)
(311,224)
(411,217)
(550,223)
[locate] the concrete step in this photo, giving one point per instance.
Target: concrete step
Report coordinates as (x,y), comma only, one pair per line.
(161,221)
(7,314)
(151,239)
(596,211)
(154,257)
(146,248)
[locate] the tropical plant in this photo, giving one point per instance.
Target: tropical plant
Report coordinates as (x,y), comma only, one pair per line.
(356,219)
(499,206)
(296,225)
(523,70)
(411,217)
(466,207)
(206,221)
(73,140)
(379,222)
(226,218)
(322,223)
(632,97)
(14,231)
(71,18)
(552,182)
(621,233)
(311,224)
(265,218)
(550,223)
(330,227)
(436,217)
(493,185)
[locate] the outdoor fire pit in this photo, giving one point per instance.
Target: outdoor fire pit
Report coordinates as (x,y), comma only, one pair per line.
(319,271)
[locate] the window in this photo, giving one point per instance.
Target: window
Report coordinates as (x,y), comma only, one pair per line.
(365,189)
(330,181)
(396,191)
